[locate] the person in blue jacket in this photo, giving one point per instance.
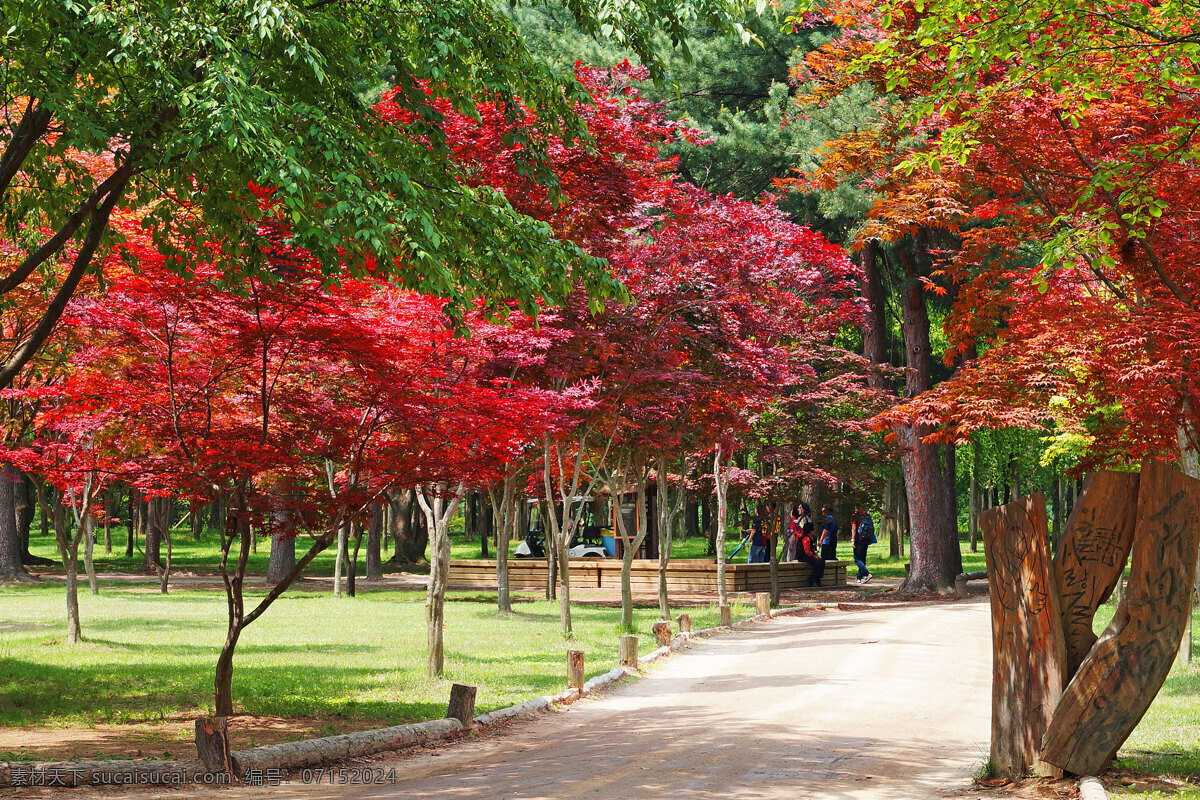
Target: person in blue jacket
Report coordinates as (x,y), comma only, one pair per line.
(864,536)
(828,540)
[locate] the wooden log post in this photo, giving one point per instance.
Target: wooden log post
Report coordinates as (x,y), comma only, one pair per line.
(763,602)
(212,745)
(1121,675)
(462,705)
(1028,652)
(726,616)
(662,632)
(685,623)
(627,651)
(1091,556)
(575,672)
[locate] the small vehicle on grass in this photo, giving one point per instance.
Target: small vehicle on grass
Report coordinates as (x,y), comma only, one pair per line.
(587,542)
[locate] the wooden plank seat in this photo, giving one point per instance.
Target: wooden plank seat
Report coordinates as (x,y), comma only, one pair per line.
(605,573)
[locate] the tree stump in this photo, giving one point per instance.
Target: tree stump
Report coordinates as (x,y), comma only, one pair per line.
(763,601)
(462,705)
(1092,554)
(1125,669)
(662,632)
(685,623)
(1028,652)
(726,616)
(212,745)
(575,670)
(627,652)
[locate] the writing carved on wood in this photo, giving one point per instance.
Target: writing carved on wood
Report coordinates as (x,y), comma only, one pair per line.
(1092,556)
(1029,658)
(1126,667)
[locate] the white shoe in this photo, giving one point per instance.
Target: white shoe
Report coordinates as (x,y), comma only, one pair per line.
(867,579)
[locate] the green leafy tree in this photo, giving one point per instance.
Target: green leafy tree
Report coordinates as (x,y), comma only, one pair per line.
(178,109)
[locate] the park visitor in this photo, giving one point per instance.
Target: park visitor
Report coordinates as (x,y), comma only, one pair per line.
(795,528)
(828,541)
(758,539)
(808,554)
(863,528)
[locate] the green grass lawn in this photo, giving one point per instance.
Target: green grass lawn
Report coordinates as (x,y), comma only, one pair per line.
(148,656)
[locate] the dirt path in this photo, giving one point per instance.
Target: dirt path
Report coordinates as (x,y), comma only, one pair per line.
(881,704)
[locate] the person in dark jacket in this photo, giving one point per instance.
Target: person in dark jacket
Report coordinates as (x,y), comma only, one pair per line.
(828,540)
(807,552)
(864,536)
(759,537)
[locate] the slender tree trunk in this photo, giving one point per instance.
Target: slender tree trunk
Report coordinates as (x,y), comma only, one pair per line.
(196,523)
(108,515)
(68,550)
(721,480)
(633,545)
(132,525)
(504,508)
(340,558)
(11,568)
(238,519)
(89,543)
(157,521)
(352,565)
(437,517)
(165,575)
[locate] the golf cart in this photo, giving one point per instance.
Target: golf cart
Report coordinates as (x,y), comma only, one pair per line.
(587,542)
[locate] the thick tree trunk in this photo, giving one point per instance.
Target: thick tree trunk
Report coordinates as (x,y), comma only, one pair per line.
(936,558)
(11,568)
(374,542)
(25,502)
(409,530)
(283,535)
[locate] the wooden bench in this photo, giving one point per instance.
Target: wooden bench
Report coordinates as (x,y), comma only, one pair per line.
(682,574)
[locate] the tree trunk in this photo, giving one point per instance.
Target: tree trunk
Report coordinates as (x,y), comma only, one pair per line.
(409,531)
(339,558)
(504,507)
(632,545)
(165,575)
(25,502)
(374,542)
(108,517)
(196,522)
(157,520)
(68,550)
(282,521)
(973,512)
(721,480)
(936,558)
(89,543)
(709,521)
(437,517)
(11,568)
(131,522)
(352,562)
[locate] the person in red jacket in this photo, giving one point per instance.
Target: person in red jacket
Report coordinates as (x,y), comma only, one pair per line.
(808,554)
